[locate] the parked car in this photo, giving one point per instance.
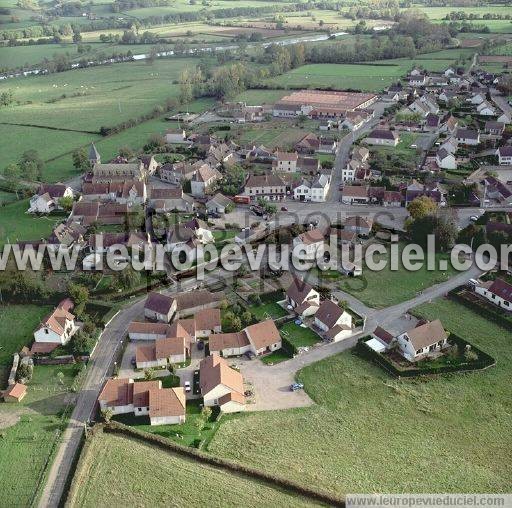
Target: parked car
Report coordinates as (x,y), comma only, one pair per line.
(473,218)
(296,386)
(187,386)
(249,355)
(200,345)
(133,361)
(284,209)
(214,215)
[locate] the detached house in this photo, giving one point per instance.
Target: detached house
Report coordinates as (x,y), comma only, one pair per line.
(47,198)
(382,137)
(423,340)
(285,162)
(59,326)
(485,109)
(221,385)
(359,225)
(303,299)
(309,243)
(504,155)
(494,128)
(163,406)
(467,136)
(159,307)
(333,321)
(445,159)
(170,350)
(203,180)
(497,292)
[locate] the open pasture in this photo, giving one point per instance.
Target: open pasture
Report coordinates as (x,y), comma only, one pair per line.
(367,428)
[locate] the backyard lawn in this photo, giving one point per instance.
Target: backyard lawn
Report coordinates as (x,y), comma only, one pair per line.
(267,310)
(367,428)
(17,324)
(186,434)
(400,285)
(115,467)
(16,225)
(27,445)
(299,336)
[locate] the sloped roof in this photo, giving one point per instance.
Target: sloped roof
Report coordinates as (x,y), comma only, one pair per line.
(167,402)
(298,290)
(427,334)
(159,303)
(214,371)
(328,313)
(263,334)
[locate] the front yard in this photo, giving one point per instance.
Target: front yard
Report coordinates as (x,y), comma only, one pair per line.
(366,426)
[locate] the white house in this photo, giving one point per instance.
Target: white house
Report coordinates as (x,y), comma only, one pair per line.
(285,162)
(497,291)
(219,204)
(333,321)
(355,195)
(485,109)
(59,326)
(504,118)
(309,243)
(315,191)
(477,98)
(159,307)
(203,180)
(467,136)
(445,159)
(47,198)
(304,300)
(382,137)
(423,340)
(221,385)
(504,155)
(162,352)
(359,225)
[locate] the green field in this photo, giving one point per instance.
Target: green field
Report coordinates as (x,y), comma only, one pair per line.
(104,95)
(17,56)
(401,285)
(18,323)
(276,135)
(26,446)
(16,225)
(115,467)
(366,428)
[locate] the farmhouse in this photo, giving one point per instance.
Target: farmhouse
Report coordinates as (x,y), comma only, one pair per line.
(221,385)
(382,137)
(302,298)
(423,340)
(260,338)
(160,307)
(191,302)
(170,200)
(47,198)
(321,104)
(497,291)
(333,321)
(164,406)
(59,326)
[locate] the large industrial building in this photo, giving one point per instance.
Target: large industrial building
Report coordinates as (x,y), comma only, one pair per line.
(321,103)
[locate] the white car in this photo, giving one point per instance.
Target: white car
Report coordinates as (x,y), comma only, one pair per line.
(187,386)
(473,218)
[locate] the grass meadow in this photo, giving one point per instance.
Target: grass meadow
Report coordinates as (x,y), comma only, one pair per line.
(27,446)
(369,432)
(400,285)
(17,225)
(115,467)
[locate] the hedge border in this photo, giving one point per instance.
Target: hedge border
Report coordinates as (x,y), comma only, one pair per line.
(229,466)
(485,361)
(483,310)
